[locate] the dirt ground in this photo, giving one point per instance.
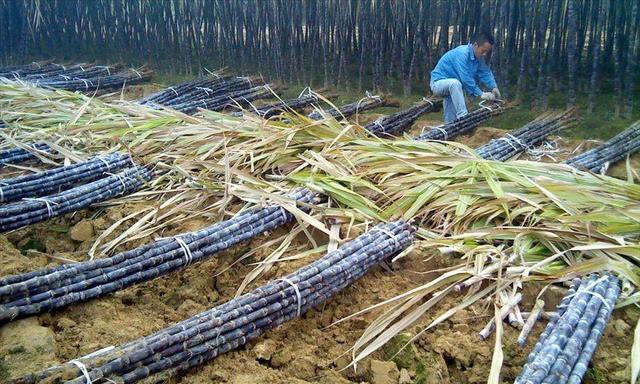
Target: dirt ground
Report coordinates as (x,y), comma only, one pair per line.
(305,350)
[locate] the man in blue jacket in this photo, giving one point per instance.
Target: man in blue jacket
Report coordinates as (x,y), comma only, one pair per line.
(456,72)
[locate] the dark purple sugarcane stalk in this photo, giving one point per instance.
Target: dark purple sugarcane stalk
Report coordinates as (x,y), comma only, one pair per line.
(398,122)
(617,148)
(116,80)
(462,125)
(18,155)
(52,288)
(525,137)
(35,66)
(234,323)
(34,210)
(165,95)
(580,368)
(347,110)
(565,348)
(242,97)
(273,109)
(229,86)
(57,179)
(203,89)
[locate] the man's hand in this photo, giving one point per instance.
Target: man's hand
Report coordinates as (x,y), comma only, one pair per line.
(488,96)
(496,93)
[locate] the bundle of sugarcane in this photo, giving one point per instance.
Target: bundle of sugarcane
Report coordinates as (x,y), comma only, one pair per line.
(462,125)
(17,155)
(80,71)
(365,104)
(168,95)
(46,72)
(216,103)
(213,87)
(48,289)
(295,104)
(116,80)
(564,349)
(28,69)
(57,179)
(396,123)
(232,324)
(34,210)
(525,137)
(616,149)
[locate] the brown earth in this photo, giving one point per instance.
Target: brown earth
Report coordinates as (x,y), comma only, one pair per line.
(305,350)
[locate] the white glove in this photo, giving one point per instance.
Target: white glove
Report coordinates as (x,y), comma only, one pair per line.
(488,96)
(496,93)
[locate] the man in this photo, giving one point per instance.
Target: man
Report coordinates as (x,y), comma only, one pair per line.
(457,71)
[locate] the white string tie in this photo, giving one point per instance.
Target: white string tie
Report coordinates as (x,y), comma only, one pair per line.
(588,290)
(137,73)
(298,295)
(46,201)
(443,131)
(307,90)
(37,64)
(391,235)
(247,79)
(82,69)
(66,77)
(121,179)
(105,162)
(429,101)
(187,252)
(86,85)
(205,104)
(83,369)
(174,91)
(1,194)
(206,90)
(284,214)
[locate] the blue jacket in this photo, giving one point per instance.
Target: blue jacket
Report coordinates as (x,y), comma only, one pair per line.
(460,63)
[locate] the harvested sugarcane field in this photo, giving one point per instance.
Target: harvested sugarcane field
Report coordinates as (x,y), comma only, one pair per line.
(320,192)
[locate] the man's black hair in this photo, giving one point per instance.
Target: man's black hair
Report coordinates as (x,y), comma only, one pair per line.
(482,37)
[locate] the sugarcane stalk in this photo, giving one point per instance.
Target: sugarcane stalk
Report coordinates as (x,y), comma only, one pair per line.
(536,311)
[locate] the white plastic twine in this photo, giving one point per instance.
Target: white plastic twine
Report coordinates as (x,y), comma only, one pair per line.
(65,77)
(429,101)
(174,91)
(37,64)
(1,194)
(589,291)
(443,131)
(121,179)
(86,84)
(391,235)
(205,104)
(105,162)
(206,90)
(298,295)
(187,252)
(510,139)
(46,201)
(137,73)
(82,69)
(247,79)
(284,214)
(83,369)
(107,68)
(307,90)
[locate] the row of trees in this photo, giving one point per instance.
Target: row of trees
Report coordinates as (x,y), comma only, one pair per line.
(569,45)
